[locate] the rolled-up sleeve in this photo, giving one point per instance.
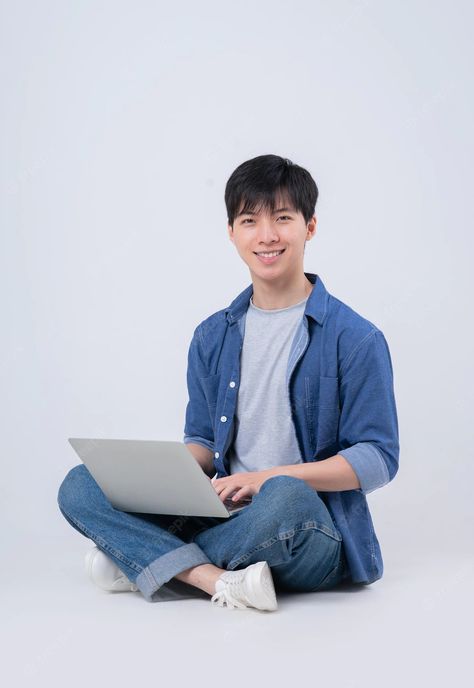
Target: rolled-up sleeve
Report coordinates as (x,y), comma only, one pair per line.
(368,426)
(198,426)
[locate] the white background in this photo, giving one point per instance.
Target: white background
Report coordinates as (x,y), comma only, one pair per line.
(121,123)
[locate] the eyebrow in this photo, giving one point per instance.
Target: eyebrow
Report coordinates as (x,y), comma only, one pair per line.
(280,210)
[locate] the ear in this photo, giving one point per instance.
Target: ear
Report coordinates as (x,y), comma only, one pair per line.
(231,232)
(311,228)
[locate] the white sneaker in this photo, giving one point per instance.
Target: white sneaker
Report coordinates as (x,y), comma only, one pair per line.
(250,587)
(105,573)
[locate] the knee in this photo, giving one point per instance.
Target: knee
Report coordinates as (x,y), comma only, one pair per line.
(287,495)
(72,489)
(285,488)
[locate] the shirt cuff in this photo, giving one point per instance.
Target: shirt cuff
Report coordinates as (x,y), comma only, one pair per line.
(187,439)
(368,465)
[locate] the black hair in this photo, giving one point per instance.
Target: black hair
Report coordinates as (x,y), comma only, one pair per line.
(261,181)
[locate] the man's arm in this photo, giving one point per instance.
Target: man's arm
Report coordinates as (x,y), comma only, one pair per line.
(198,428)
(328,475)
(203,456)
(368,427)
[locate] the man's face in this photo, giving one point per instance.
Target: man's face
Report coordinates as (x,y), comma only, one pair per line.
(262,232)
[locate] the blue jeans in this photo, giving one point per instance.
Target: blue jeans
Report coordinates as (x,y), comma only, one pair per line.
(287,524)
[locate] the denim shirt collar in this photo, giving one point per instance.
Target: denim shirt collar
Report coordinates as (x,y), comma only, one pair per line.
(316,305)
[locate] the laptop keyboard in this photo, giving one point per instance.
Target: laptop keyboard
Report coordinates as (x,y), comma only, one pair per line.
(236,506)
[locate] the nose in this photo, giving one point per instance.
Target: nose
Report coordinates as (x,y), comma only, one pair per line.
(267,232)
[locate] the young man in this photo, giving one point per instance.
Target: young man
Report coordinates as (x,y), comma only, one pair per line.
(291,403)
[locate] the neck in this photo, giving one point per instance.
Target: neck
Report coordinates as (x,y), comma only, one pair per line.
(281,293)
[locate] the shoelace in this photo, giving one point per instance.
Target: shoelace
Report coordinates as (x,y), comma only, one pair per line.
(123,579)
(233,586)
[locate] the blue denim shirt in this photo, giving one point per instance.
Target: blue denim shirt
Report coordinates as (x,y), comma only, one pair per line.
(341,395)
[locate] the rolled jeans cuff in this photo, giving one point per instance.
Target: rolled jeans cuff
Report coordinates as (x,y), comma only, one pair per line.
(161,570)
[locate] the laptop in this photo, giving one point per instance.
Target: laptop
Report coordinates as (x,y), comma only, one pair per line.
(152,476)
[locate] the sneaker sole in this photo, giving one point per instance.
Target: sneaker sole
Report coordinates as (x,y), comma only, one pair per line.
(260,584)
(90,557)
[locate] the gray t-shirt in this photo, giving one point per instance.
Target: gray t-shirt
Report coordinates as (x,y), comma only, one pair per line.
(265,434)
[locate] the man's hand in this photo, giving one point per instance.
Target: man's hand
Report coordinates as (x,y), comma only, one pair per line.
(246,484)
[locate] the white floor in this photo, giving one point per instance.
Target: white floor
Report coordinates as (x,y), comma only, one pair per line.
(413,627)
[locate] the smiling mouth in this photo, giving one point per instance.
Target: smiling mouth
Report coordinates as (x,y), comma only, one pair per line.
(270,254)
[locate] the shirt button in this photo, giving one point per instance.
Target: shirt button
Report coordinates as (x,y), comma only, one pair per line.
(232,384)
(216,455)
(223,419)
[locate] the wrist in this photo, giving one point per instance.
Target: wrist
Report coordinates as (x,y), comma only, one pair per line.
(279,470)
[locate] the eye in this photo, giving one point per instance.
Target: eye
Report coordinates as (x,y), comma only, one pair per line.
(281,217)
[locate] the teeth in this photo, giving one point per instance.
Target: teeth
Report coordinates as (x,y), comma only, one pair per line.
(270,255)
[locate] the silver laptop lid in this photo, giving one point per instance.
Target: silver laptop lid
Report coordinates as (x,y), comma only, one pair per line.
(149,476)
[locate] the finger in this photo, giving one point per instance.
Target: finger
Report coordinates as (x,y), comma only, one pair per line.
(222,486)
(226,492)
(243,492)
